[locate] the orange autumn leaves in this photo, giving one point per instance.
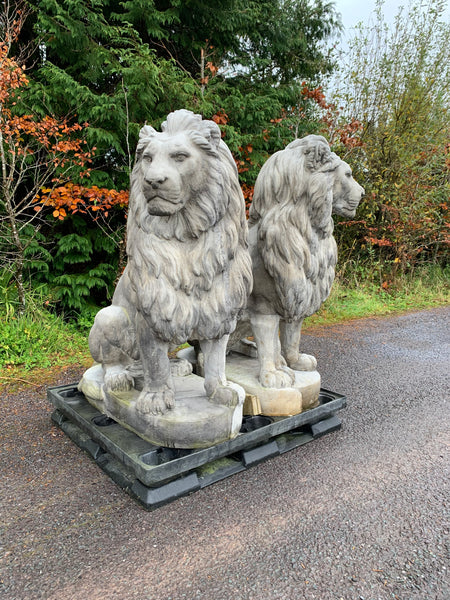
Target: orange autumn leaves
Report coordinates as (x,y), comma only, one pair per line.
(52,141)
(73,198)
(52,136)
(54,144)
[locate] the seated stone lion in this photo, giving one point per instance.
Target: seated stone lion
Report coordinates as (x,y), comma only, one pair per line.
(189,269)
(293,249)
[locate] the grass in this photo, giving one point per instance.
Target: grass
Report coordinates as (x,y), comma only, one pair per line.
(37,346)
(426,289)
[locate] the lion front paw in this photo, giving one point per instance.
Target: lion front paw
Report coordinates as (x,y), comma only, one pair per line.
(117,379)
(224,395)
(155,402)
(276,378)
(304,362)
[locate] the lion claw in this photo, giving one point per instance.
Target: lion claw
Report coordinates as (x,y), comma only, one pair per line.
(276,378)
(155,402)
(304,362)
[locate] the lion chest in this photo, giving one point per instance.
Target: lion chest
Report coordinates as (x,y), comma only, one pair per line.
(186,289)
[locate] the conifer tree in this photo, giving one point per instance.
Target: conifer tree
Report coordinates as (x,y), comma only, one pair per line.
(118,64)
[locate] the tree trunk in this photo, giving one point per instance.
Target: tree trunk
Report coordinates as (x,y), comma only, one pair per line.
(122,257)
(20,253)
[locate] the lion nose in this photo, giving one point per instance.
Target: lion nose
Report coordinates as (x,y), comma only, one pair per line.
(155,182)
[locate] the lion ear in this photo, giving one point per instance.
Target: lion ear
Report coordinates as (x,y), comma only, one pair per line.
(212,133)
(147,131)
(145,134)
(323,153)
(317,152)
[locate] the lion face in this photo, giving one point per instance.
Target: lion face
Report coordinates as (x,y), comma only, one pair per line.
(170,171)
(347,193)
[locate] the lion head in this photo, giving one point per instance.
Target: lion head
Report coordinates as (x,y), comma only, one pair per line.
(296,192)
(307,172)
(180,174)
(189,264)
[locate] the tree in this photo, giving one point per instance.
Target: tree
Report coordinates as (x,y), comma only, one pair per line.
(40,160)
(92,64)
(33,152)
(118,64)
(395,82)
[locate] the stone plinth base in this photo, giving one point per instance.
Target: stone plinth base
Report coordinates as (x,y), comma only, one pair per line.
(272,402)
(193,423)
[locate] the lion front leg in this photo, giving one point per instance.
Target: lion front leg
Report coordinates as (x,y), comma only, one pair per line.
(157,395)
(290,333)
(273,372)
(216,386)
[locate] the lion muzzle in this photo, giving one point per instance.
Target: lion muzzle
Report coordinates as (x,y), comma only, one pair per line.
(156,182)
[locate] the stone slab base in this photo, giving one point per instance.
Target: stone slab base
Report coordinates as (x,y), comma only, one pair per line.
(244,370)
(194,422)
(156,475)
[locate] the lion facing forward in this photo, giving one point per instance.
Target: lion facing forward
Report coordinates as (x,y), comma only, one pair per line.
(189,269)
(293,249)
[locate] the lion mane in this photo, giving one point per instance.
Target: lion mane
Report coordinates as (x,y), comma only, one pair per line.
(292,209)
(190,271)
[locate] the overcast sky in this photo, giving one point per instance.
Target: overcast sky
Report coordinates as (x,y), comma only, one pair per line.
(354,11)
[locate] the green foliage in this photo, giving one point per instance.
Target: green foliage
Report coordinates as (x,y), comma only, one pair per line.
(428,287)
(281,42)
(83,265)
(93,64)
(36,337)
(396,84)
(119,64)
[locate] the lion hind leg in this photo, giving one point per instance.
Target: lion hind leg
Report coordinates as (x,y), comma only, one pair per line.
(117,379)
(290,334)
(155,401)
(305,362)
(273,372)
(112,343)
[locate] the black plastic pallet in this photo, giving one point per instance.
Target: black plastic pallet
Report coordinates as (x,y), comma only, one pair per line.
(155,475)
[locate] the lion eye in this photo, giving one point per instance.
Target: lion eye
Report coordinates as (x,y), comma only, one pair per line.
(348,174)
(147,158)
(180,156)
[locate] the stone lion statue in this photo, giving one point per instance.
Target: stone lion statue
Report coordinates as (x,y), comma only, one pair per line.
(189,270)
(293,249)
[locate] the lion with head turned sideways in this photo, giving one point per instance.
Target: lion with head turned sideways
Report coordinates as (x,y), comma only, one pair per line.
(189,270)
(293,249)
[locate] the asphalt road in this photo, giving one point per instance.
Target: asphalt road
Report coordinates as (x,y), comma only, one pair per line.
(359,514)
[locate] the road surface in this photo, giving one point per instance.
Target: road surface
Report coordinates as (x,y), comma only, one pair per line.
(359,514)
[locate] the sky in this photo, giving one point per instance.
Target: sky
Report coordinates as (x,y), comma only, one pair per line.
(354,11)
